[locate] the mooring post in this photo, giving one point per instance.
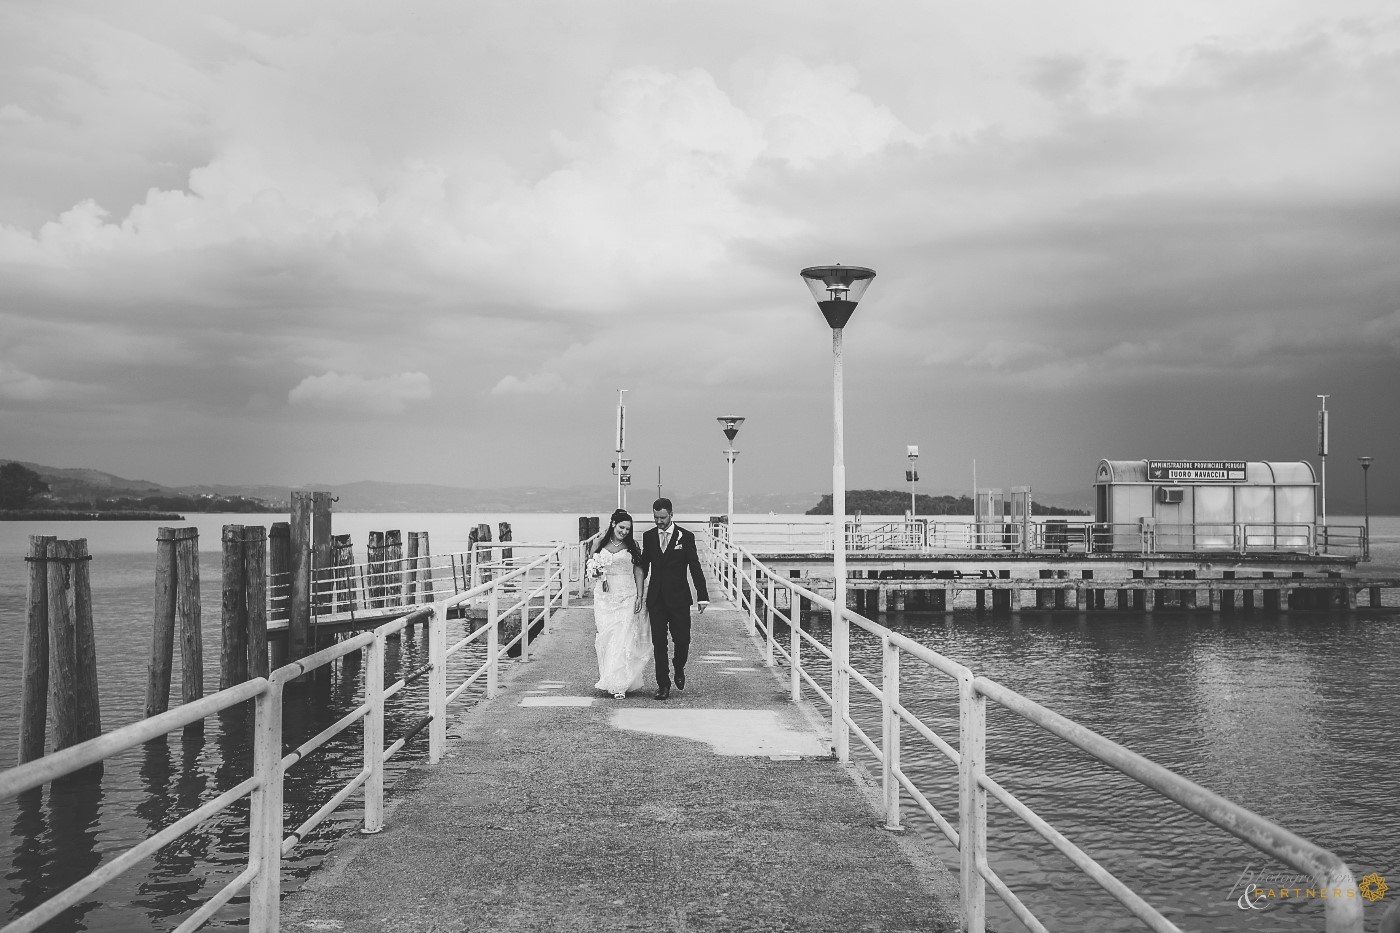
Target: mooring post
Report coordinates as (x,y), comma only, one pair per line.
(255,598)
(410,571)
(233,653)
(505,535)
(342,577)
(34,695)
(321,574)
(393,567)
(187,613)
(162,626)
(374,556)
(279,568)
(72,650)
(425,568)
(299,617)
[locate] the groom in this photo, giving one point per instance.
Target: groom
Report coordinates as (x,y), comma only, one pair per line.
(668,551)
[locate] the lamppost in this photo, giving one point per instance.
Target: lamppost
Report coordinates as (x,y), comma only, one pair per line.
(1366,501)
(1322,452)
(731,424)
(620,465)
(912,475)
(837,290)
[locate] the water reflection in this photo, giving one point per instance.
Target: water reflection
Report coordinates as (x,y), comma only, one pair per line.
(75,808)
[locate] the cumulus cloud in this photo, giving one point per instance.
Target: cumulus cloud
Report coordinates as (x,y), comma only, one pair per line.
(355,393)
(1105,196)
(535,384)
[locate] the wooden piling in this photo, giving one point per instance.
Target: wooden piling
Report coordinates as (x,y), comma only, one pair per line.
(425,566)
(299,617)
(187,614)
(374,557)
(342,578)
(410,570)
(279,567)
(255,575)
(73,695)
(1271,596)
(505,535)
(583,531)
(34,691)
(393,565)
(233,653)
(322,577)
(162,626)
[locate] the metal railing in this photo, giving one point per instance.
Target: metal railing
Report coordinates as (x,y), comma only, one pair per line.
(1054,536)
(755,589)
(546,578)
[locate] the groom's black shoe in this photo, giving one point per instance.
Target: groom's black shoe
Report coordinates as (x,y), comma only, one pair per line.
(680,680)
(663,694)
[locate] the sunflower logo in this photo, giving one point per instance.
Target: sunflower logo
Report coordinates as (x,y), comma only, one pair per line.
(1373,887)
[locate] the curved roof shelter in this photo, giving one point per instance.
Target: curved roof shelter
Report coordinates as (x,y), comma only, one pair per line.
(1199,503)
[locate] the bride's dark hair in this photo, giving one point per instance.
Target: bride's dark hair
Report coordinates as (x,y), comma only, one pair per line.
(621,515)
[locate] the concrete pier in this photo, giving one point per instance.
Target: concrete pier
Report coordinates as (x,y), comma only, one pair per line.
(560,808)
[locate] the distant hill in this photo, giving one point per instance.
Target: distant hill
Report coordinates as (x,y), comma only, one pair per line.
(892,502)
(81,488)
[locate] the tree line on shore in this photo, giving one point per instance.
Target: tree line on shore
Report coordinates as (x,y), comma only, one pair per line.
(893,502)
(23,490)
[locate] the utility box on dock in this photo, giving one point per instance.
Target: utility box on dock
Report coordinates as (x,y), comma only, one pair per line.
(1206,505)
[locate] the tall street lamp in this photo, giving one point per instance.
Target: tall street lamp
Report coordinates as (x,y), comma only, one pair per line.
(1322,452)
(1366,501)
(731,424)
(837,290)
(912,475)
(620,467)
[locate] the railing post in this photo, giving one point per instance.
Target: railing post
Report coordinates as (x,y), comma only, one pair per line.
(265,813)
(525,617)
(493,644)
(564,573)
(840,680)
(795,648)
(437,683)
(545,588)
(374,734)
(772,621)
(753,596)
(972,804)
(889,745)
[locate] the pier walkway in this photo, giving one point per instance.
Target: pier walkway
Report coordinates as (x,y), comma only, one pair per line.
(559,808)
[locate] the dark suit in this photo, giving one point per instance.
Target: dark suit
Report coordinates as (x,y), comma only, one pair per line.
(668,595)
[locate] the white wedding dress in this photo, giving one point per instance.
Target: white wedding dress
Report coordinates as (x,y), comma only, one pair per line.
(623,641)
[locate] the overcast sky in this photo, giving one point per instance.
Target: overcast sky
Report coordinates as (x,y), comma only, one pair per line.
(332,241)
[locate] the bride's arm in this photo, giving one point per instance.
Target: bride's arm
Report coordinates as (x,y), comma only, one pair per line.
(640,577)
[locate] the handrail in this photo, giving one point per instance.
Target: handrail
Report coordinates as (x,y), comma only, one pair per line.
(547,578)
(1060,536)
(737,567)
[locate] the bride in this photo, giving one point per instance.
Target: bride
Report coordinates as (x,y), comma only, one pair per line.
(623,641)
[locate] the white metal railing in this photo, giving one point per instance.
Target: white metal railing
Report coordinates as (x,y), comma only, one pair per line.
(754,588)
(1053,536)
(546,578)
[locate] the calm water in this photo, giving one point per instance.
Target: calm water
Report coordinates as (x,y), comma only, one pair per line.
(1295,715)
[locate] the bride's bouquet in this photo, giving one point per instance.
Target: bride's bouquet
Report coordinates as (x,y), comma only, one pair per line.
(594,571)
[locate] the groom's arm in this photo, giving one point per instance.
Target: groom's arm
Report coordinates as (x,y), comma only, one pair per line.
(697,574)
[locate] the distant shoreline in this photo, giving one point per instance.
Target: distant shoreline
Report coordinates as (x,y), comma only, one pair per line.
(63,515)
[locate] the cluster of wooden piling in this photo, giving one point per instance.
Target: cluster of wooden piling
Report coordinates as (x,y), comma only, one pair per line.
(299,564)
(1078,590)
(60,652)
